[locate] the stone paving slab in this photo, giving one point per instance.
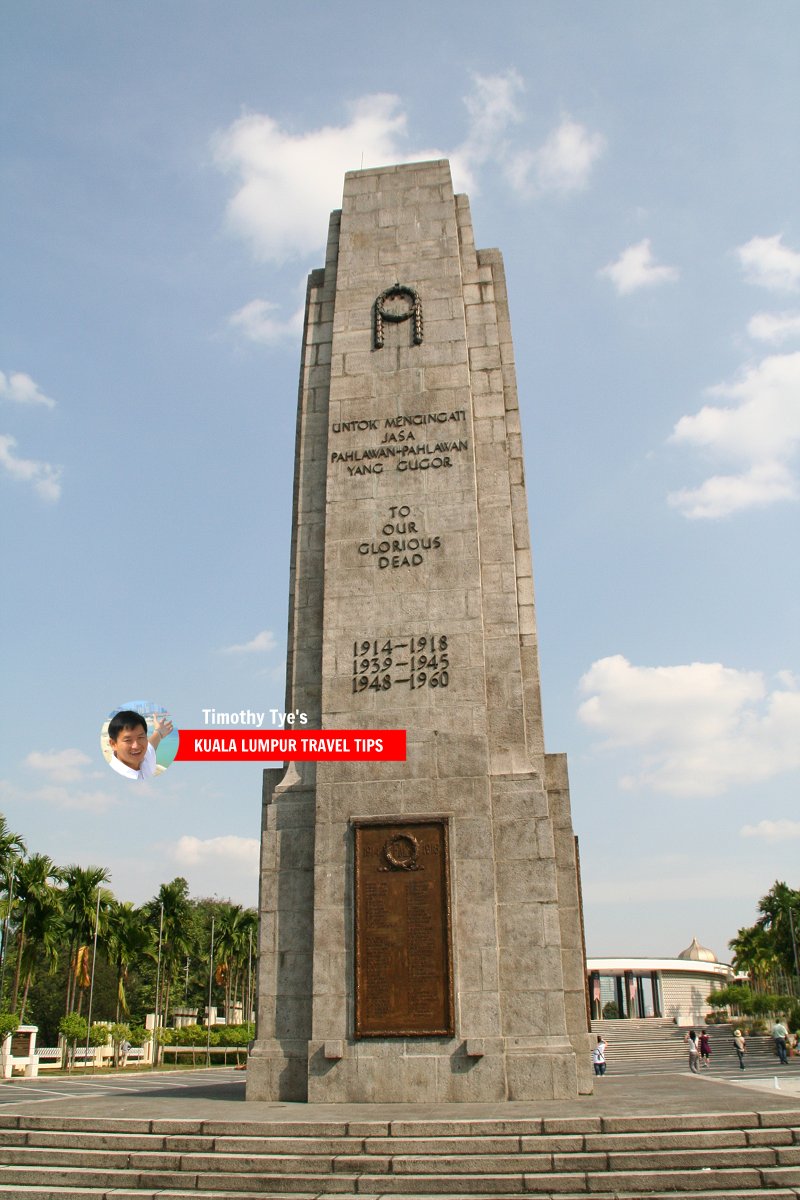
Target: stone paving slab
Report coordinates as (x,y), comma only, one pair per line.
(614,1099)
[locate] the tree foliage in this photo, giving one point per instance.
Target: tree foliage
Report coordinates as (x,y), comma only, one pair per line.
(66,932)
(768,950)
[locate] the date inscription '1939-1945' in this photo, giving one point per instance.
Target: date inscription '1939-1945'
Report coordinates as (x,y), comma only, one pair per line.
(414,660)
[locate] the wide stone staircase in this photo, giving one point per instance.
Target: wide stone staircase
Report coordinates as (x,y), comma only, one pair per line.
(720,1156)
(656,1044)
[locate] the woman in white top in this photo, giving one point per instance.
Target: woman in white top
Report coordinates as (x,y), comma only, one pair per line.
(599,1057)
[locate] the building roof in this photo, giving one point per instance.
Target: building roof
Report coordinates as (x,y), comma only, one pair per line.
(697,953)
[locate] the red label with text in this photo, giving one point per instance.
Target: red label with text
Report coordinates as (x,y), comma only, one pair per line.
(317,745)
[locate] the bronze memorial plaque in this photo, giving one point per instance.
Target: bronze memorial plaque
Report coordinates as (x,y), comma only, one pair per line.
(404,969)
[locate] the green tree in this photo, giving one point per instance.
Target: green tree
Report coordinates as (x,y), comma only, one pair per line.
(235,939)
(171,918)
(39,925)
(80,907)
(12,848)
(780,919)
(73,1028)
(754,955)
(119,1033)
(128,939)
(9,1023)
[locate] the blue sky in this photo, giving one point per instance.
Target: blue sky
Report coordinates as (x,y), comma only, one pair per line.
(166,176)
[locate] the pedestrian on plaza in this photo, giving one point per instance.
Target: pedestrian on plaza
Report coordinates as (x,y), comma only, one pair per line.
(740,1046)
(705,1049)
(780,1035)
(599,1056)
(693,1045)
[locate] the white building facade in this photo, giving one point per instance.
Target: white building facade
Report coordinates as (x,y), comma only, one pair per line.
(676,988)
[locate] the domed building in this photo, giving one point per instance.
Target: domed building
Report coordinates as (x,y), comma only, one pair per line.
(675,988)
(697,953)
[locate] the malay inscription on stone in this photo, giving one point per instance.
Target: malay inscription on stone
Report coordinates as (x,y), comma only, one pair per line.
(403,958)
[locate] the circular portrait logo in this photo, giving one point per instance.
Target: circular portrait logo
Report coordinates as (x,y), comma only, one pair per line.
(138,739)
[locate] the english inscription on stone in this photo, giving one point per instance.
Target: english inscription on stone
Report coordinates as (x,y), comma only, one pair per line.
(403,959)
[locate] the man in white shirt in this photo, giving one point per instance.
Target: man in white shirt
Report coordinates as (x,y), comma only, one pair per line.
(780,1036)
(133,753)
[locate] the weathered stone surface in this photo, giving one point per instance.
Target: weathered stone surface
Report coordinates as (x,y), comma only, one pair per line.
(412,606)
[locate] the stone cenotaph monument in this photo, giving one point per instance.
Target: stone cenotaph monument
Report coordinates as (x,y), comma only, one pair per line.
(421,931)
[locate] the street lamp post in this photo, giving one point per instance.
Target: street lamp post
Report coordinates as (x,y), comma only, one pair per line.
(11,883)
(91,982)
(158,989)
(210,981)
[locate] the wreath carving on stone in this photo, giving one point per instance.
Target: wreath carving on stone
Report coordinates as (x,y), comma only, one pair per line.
(398,291)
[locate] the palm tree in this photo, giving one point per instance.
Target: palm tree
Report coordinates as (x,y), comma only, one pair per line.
(235,943)
(44,940)
(37,901)
(80,906)
(128,938)
(229,946)
(780,917)
(754,954)
(171,915)
(12,847)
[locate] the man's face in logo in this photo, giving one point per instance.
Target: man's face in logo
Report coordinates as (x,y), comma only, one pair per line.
(131,746)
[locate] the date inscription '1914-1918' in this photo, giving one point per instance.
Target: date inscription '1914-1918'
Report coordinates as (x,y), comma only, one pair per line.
(403,955)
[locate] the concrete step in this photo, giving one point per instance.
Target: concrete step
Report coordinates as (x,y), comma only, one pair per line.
(474,1163)
(708,1156)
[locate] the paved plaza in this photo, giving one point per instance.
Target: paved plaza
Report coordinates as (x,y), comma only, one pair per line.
(219,1094)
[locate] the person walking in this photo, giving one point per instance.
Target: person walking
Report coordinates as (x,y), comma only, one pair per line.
(705,1049)
(599,1056)
(740,1046)
(779,1036)
(693,1045)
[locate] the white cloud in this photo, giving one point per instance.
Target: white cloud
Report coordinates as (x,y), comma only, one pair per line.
(723,495)
(774,327)
(69,782)
(60,766)
(635,268)
(760,433)
(260,644)
(287,183)
(565,161)
(492,109)
(773,831)
(256,323)
(692,730)
(43,477)
(768,263)
(20,388)
(228,850)
(68,799)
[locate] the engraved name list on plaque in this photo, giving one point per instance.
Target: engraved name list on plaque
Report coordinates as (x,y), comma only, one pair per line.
(420,923)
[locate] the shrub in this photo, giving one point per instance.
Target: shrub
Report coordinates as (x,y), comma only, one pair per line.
(9,1023)
(73,1028)
(235,1035)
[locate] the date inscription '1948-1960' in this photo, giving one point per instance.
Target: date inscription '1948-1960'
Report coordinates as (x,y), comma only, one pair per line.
(403,953)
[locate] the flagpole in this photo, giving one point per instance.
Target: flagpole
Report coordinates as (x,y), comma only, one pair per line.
(91,984)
